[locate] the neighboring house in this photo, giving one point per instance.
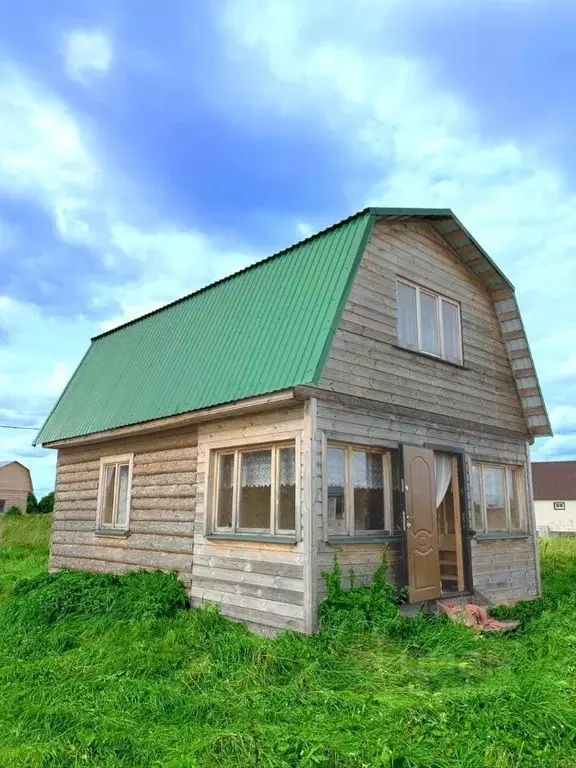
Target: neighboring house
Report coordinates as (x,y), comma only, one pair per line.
(367,390)
(554,484)
(15,485)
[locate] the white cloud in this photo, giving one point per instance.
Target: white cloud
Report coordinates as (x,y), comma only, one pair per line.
(303,229)
(49,159)
(37,360)
(389,108)
(87,54)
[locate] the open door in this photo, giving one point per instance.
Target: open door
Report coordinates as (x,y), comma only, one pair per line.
(422,552)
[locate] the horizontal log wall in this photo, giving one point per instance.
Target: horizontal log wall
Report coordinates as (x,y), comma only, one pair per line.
(364,360)
(502,569)
(162,506)
(261,584)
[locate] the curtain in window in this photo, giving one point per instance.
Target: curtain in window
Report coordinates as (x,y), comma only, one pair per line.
(256,469)
(451,326)
(429,339)
(367,470)
(495,498)
(122,503)
(287,466)
(407,328)
(335,467)
(443,472)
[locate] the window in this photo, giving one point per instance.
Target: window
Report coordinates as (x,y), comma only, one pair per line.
(428,322)
(358,490)
(2,505)
(114,492)
(557,505)
(497,498)
(255,490)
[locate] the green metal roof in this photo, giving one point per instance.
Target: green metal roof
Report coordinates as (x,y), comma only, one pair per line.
(264,329)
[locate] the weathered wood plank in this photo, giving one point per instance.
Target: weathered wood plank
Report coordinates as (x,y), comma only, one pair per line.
(134,541)
(134,557)
(265,567)
(245,601)
(248,589)
(147,479)
(163,492)
(253,616)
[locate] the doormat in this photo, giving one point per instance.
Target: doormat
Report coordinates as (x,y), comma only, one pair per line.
(476,617)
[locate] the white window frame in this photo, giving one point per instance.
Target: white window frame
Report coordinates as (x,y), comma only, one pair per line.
(518,472)
(117,461)
(440,299)
(237,452)
(349,517)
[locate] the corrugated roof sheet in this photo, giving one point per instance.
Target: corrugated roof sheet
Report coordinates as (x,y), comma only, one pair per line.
(264,329)
(554,480)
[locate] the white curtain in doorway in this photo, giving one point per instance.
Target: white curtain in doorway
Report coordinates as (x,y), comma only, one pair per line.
(443,472)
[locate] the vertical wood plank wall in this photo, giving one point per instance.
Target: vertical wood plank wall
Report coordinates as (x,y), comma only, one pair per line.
(502,569)
(364,360)
(162,506)
(260,583)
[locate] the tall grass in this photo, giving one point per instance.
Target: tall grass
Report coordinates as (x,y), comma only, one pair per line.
(106,671)
(23,549)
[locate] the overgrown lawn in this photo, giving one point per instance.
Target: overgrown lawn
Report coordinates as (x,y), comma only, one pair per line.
(106,671)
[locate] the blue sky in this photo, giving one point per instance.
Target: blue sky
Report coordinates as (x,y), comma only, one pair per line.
(146,150)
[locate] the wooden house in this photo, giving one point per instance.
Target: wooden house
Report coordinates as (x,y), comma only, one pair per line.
(15,485)
(367,390)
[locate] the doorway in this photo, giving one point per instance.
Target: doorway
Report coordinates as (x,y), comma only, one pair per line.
(450,550)
(433,543)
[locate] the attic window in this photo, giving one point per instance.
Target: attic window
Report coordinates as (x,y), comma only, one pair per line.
(428,322)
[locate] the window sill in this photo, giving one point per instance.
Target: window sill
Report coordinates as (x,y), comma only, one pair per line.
(114,533)
(428,356)
(376,539)
(502,535)
(260,537)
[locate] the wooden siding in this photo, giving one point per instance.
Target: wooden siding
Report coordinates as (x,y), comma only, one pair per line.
(363,559)
(260,583)
(15,485)
(364,360)
(502,569)
(162,506)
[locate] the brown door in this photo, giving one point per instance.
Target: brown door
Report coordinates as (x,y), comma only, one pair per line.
(422,555)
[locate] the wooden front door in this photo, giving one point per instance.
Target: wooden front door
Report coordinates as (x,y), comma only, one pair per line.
(422,553)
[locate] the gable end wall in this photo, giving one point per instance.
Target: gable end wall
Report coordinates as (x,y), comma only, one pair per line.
(364,359)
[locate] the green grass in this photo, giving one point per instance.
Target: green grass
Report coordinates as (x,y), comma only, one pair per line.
(106,671)
(23,549)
